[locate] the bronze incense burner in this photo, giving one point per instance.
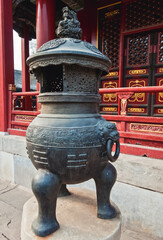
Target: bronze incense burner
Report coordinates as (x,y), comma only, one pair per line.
(69,142)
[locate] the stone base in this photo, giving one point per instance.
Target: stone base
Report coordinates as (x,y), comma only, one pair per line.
(77,217)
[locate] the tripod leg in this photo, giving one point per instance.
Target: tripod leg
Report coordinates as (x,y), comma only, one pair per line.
(104,183)
(45,186)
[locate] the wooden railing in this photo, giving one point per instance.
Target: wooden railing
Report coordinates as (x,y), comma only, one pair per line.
(146,133)
(21,111)
(21,115)
(125,93)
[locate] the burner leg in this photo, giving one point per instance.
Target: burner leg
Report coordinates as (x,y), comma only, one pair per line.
(63,191)
(45,186)
(104,183)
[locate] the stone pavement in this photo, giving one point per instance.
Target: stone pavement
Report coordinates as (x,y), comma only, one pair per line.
(12,199)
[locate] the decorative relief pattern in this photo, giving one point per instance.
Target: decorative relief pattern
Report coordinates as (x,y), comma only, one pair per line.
(92,136)
(92,63)
(107,130)
(40,156)
(76,40)
(136,110)
(137,71)
(76,161)
(92,48)
(137,97)
(109,97)
(24,118)
(146,127)
(160,111)
(160,95)
(112,74)
(51,44)
(109,109)
(60,137)
(78,80)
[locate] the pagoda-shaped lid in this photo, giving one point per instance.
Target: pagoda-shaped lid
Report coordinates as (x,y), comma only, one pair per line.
(68,48)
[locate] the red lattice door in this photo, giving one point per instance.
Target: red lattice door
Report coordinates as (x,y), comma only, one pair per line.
(142,67)
(137,71)
(109,42)
(157,99)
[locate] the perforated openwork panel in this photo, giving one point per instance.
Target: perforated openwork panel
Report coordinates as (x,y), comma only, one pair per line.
(138,46)
(141,13)
(161,47)
(53,82)
(110,25)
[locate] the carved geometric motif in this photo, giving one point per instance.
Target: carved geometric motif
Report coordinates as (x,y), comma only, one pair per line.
(77,161)
(138,45)
(143,13)
(79,79)
(160,54)
(109,97)
(109,22)
(137,97)
(160,95)
(39,156)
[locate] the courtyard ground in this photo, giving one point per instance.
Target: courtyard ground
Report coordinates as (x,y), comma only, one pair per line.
(12,199)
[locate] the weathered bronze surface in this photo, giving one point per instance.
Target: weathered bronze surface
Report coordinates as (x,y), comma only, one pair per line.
(69,142)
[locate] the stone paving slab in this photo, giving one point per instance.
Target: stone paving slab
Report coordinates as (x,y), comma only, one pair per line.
(12,199)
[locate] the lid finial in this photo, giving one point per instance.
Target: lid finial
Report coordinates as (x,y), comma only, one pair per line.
(69,27)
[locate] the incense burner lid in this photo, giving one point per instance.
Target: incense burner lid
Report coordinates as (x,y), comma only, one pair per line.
(69,51)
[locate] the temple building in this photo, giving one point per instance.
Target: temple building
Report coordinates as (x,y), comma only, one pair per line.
(130,33)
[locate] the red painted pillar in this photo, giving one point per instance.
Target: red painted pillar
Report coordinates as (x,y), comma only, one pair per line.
(88,20)
(121,52)
(6,59)
(25,68)
(25,55)
(45,21)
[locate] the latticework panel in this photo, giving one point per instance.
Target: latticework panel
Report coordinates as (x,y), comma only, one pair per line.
(138,49)
(53,79)
(110,24)
(141,13)
(160,53)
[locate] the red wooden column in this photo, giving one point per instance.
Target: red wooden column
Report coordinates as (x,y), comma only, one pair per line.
(45,21)
(121,51)
(25,68)
(6,59)
(25,55)
(88,19)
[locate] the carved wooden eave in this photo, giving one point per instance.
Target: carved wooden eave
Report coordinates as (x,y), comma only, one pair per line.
(24,13)
(76,5)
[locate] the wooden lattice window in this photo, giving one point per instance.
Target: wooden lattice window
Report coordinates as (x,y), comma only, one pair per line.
(138,45)
(160,52)
(141,13)
(109,31)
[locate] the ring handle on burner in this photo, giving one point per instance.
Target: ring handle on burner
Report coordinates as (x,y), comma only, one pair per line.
(110,144)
